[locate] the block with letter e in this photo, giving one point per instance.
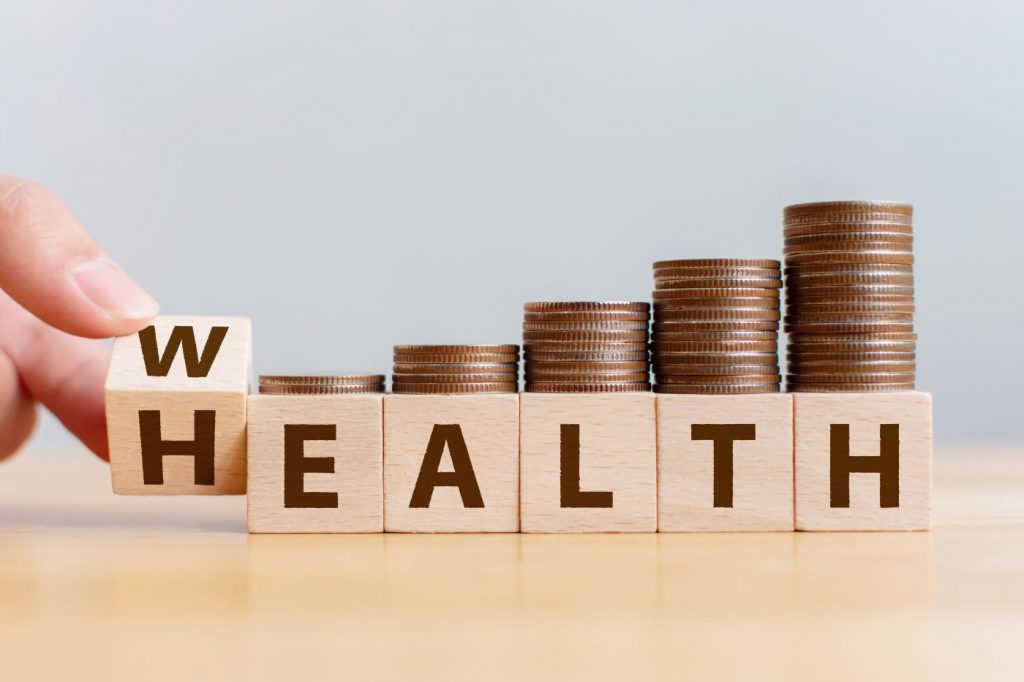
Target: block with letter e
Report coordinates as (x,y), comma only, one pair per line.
(175,403)
(451,463)
(315,463)
(863,460)
(588,462)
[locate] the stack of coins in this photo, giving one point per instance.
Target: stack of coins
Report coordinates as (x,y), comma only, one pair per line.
(850,296)
(586,347)
(492,368)
(321,384)
(716,326)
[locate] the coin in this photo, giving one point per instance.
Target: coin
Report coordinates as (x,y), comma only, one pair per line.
(552,336)
(452,378)
(796,387)
(547,387)
(827,207)
(319,389)
(807,369)
(325,379)
(877,256)
(678,282)
(585,326)
(576,366)
(432,358)
(722,302)
(585,306)
(461,368)
(599,316)
(586,356)
(716,263)
(766,357)
(587,377)
(669,326)
(503,387)
(714,292)
(719,380)
(852,378)
(714,346)
(709,314)
(875,222)
(718,389)
(457,349)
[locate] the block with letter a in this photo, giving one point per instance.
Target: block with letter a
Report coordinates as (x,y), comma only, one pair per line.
(588,463)
(863,461)
(451,463)
(175,403)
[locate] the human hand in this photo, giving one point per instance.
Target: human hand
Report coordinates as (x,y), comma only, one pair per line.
(56,287)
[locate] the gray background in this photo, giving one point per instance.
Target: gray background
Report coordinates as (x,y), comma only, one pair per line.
(357,174)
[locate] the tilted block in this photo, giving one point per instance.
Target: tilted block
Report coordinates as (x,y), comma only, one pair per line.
(451,463)
(588,462)
(863,461)
(175,402)
(725,462)
(316,463)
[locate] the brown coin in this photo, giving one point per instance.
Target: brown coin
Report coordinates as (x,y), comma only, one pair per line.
(812,293)
(718,389)
(496,378)
(805,317)
(804,229)
(548,387)
(586,347)
(878,256)
(319,389)
(825,207)
(796,387)
(451,349)
(428,359)
(585,326)
(846,269)
(723,358)
(714,346)
(818,279)
(504,387)
(715,370)
(714,292)
(584,367)
(851,306)
(716,263)
(589,378)
(587,356)
(662,282)
(592,317)
(849,327)
(672,326)
(724,302)
(709,380)
(854,237)
(707,314)
(802,368)
(550,336)
(845,248)
(861,378)
(685,272)
(324,379)
(828,355)
(459,368)
(585,306)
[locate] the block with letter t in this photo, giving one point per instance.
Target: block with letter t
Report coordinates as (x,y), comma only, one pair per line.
(863,460)
(175,402)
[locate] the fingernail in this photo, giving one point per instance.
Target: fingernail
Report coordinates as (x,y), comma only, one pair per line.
(117,294)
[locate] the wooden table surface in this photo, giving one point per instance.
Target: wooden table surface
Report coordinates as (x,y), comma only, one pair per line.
(94,586)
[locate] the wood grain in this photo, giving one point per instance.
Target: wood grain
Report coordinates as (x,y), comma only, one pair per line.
(489,425)
(762,475)
(815,413)
(357,454)
(177,397)
(617,454)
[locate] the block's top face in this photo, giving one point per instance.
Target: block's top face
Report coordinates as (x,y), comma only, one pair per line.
(215,351)
(881,403)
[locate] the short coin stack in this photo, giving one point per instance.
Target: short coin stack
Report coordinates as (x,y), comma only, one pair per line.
(456,369)
(321,384)
(586,347)
(850,296)
(716,326)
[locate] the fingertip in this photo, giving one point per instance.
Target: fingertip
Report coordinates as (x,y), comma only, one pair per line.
(126,305)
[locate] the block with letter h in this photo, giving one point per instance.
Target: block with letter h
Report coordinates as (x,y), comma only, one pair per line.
(175,403)
(863,461)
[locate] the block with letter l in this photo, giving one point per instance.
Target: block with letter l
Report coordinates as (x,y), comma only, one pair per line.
(175,403)
(863,460)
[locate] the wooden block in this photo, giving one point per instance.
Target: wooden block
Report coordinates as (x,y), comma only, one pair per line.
(316,463)
(863,461)
(588,462)
(175,400)
(725,462)
(451,463)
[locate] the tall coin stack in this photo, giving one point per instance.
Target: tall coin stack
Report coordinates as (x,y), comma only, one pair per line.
(850,296)
(456,369)
(323,384)
(586,347)
(716,326)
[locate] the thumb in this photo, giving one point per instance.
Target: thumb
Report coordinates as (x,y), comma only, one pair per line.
(52,267)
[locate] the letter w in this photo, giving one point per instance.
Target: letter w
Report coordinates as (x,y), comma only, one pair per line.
(184,337)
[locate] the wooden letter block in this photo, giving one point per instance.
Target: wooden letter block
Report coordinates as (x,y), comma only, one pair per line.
(863,461)
(725,462)
(316,463)
(175,397)
(451,463)
(588,462)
